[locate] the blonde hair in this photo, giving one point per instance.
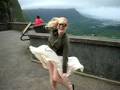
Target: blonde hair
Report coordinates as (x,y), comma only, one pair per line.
(53,23)
(63,20)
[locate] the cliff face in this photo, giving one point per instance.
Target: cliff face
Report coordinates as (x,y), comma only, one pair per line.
(10,11)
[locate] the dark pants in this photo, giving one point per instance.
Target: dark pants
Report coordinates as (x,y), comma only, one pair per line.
(40,29)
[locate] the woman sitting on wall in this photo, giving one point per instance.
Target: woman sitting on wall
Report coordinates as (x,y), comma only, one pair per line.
(54,56)
(39,25)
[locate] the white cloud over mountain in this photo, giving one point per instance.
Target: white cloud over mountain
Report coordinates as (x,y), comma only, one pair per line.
(99,9)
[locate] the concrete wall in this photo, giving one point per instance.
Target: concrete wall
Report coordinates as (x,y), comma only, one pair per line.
(18,25)
(99,57)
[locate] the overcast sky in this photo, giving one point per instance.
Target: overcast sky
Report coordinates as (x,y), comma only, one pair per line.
(100,9)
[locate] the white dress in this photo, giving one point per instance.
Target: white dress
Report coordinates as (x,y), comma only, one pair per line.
(44,53)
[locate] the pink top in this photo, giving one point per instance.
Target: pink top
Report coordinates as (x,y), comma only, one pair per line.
(39,22)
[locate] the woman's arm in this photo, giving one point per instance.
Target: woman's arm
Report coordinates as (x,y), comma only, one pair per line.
(53,40)
(65,54)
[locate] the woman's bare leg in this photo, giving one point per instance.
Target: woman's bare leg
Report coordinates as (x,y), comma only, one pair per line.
(67,83)
(51,69)
(64,80)
(56,77)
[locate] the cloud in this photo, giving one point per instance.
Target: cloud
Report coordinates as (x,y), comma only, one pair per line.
(99,9)
(25,4)
(108,13)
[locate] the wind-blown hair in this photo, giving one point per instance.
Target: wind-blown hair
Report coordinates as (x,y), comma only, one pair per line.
(53,23)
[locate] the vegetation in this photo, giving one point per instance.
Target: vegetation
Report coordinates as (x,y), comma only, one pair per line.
(78,24)
(17,12)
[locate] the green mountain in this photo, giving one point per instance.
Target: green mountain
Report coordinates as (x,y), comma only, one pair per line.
(10,11)
(78,23)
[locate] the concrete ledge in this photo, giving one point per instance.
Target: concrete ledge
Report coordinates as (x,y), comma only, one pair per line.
(97,78)
(82,39)
(18,25)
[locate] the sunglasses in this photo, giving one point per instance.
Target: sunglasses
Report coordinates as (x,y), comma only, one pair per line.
(62,24)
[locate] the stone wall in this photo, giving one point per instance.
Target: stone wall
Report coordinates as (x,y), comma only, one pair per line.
(19,26)
(99,57)
(10,11)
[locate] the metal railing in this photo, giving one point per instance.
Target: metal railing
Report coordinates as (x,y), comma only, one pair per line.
(23,34)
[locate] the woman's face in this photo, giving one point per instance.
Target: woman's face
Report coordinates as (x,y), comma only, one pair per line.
(61,28)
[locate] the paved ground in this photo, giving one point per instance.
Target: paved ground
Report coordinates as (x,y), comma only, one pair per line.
(17,72)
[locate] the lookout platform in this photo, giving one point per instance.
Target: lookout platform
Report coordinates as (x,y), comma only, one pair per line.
(17,72)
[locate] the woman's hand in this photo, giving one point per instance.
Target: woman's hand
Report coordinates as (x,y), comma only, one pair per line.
(64,75)
(65,78)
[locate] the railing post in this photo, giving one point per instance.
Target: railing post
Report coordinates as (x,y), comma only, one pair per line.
(24,31)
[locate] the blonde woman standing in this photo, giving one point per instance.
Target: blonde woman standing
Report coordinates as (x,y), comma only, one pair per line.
(54,56)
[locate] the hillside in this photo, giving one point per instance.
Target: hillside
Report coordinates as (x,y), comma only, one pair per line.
(16,11)
(78,23)
(10,10)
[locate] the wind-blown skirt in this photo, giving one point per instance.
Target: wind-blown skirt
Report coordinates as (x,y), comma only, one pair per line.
(44,54)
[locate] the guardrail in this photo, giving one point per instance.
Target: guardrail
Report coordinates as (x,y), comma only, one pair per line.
(23,34)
